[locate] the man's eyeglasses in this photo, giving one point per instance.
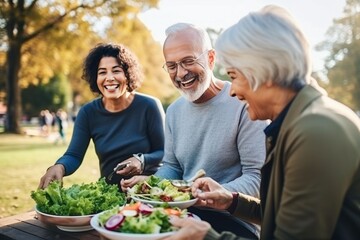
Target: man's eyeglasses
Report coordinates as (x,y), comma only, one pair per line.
(186,63)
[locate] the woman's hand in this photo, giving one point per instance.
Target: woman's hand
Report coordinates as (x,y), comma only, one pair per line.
(132,168)
(128,183)
(55,172)
(190,228)
(211,194)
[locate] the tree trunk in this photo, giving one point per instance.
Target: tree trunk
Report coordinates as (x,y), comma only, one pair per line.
(13,114)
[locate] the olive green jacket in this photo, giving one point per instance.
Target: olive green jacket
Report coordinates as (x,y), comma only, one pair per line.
(310,186)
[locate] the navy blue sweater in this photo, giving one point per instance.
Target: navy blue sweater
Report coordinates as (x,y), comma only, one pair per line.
(116,136)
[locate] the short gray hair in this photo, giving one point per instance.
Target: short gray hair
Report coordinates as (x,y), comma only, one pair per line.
(266,45)
(201,32)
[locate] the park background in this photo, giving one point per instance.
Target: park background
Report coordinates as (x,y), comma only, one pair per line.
(43,43)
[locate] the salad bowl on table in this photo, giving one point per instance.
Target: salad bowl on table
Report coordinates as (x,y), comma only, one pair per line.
(114,235)
(66,223)
(158,192)
(137,221)
(71,209)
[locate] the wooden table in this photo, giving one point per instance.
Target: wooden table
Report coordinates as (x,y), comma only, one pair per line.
(26,226)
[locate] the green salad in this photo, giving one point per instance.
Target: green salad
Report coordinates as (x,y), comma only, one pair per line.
(140,218)
(157,189)
(79,199)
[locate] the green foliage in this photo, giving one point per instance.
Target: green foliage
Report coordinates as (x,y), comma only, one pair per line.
(342,64)
(52,37)
(53,95)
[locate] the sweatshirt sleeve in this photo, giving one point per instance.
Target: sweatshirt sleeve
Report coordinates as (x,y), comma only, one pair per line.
(251,147)
(155,119)
(80,140)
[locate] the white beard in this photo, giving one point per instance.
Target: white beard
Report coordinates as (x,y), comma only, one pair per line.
(193,95)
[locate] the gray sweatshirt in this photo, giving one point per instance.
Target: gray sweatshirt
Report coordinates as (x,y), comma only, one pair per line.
(217,136)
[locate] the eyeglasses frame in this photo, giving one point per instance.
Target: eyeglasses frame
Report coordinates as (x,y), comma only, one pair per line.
(179,63)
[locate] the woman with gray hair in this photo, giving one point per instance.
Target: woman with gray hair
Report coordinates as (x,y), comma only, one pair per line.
(310,185)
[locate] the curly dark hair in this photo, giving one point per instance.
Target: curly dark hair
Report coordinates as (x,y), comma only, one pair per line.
(126,59)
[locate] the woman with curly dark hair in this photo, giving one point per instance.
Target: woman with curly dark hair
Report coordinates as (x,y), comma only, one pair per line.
(127,127)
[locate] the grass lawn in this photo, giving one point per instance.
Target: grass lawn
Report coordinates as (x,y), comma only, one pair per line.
(24,160)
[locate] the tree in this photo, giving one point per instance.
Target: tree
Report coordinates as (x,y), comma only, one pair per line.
(342,64)
(52,95)
(22,22)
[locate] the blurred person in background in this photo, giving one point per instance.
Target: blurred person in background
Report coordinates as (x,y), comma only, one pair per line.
(124,125)
(206,128)
(310,182)
(49,118)
(61,122)
(42,123)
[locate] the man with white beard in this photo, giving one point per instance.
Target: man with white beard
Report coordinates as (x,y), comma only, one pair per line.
(207,128)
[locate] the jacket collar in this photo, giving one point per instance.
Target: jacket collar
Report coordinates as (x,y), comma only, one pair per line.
(303,99)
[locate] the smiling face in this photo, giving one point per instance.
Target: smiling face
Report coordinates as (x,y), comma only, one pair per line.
(111,79)
(257,101)
(195,79)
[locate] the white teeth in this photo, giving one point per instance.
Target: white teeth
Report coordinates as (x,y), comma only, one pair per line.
(188,81)
(111,87)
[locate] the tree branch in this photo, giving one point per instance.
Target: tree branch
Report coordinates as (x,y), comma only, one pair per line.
(30,7)
(59,19)
(11,3)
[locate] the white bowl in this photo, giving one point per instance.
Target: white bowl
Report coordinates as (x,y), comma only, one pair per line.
(113,235)
(66,223)
(180,204)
